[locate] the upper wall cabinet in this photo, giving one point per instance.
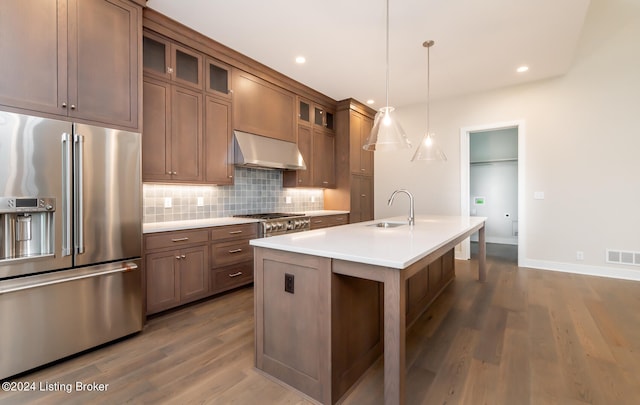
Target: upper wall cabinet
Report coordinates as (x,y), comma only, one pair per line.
(361,161)
(72,58)
(262,108)
(171,61)
(316,115)
(218,78)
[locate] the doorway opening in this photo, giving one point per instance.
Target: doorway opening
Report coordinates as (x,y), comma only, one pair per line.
(492,183)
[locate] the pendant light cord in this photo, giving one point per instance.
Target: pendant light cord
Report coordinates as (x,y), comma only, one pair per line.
(387,56)
(428,45)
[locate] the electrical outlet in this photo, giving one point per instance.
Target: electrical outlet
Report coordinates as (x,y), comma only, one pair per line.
(313,198)
(200,202)
(579,255)
(287,199)
(167,202)
(289,283)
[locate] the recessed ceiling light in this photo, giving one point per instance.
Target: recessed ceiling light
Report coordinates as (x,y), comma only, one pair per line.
(300,60)
(370,101)
(522,69)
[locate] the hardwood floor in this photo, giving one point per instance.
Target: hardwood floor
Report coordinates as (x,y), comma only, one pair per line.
(524,337)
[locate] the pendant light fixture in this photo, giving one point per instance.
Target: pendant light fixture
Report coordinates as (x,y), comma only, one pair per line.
(387,133)
(427,149)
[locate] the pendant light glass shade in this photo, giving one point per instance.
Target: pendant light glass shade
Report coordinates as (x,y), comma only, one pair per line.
(427,149)
(387,133)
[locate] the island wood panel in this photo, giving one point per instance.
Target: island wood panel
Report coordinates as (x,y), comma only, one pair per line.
(356,330)
(293,330)
(395,322)
(394,281)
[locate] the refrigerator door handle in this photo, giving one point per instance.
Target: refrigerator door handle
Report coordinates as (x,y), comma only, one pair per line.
(67,185)
(123,267)
(79,190)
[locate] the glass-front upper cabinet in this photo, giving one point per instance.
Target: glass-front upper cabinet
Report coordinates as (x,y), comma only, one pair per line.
(304,112)
(218,78)
(166,59)
(323,118)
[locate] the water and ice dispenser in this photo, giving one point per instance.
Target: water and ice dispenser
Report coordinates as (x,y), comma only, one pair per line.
(26,227)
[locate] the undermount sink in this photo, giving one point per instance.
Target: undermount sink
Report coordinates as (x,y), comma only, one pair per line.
(386,224)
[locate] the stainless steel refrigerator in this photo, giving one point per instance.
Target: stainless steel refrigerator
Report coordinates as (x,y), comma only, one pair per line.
(70,239)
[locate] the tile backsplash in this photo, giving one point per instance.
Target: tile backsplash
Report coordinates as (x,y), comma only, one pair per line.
(254,191)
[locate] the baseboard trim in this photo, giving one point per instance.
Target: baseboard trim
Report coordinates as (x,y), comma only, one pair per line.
(599,271)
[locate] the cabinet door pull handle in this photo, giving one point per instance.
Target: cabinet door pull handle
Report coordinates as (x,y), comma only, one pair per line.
(182,256)
(64,105)
(362,170)
(235,274)
(235,251)
(318,221)
(179,239)
(234,232)
(73,107)
(363,195)
(178,257)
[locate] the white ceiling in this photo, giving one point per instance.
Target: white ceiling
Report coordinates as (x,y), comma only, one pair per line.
(478,44)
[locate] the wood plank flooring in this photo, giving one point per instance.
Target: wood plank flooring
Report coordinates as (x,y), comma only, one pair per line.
(524,337)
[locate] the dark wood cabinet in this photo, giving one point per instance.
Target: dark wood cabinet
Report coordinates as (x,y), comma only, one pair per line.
(183,266)
(424,287)
(262,108)
(354,166)
(168,60)
(218,160)
(326,221)
(81,62)
(323,161)
(218,78)
(176,268)
(317,146)
(360,160)
(194,275)
(231,256)
(302,178)
(361,200)
(172,137)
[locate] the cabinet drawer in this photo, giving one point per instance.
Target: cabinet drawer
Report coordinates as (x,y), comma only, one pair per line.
(329,220)
(244,231)
(226,253)
(229,277)
(174,239)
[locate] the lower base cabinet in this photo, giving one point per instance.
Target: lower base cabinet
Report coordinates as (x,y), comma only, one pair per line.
(176,277)
(226,278)
(184,266)
(326,221)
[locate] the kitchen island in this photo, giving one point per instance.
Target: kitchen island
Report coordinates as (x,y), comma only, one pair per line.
(328,301)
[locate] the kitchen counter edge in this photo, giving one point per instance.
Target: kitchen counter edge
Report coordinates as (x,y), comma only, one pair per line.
(168,226)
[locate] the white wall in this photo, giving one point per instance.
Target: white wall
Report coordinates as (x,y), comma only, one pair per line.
(582,148)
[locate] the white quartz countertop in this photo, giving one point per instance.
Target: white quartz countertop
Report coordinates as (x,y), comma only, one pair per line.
(396,247)
(193,224)
(208,222)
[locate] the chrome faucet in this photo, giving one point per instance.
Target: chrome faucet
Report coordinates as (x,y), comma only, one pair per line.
(412,219)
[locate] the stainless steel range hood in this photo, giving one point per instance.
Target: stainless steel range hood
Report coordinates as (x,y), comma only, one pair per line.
(258,151)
